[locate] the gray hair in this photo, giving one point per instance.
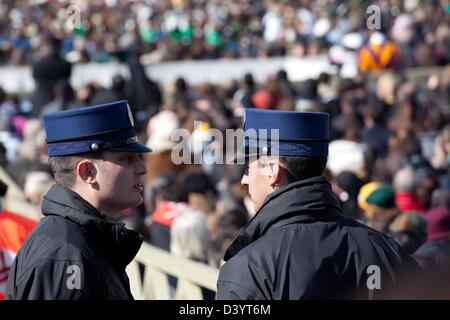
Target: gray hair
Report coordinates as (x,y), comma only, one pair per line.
(404,180)
(36,186)
(189,236)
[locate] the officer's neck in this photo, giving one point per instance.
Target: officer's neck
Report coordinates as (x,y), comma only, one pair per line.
(93,198)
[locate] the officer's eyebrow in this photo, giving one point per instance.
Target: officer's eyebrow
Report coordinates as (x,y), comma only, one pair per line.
(132,154)
(126,155)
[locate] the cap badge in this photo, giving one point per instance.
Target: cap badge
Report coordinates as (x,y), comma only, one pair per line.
(130,115)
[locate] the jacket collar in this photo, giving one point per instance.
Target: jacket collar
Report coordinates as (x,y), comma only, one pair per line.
(309,199)
(121,243)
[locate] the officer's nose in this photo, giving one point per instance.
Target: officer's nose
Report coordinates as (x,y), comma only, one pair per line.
(244,179)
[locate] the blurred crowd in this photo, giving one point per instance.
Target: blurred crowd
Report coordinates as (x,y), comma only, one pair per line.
(389,135)
(160,30)
(389,160)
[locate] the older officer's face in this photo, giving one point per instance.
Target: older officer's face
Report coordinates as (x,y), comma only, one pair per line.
(258,181)
(120,180)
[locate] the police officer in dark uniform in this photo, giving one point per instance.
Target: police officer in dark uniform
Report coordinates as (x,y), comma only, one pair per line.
(78,250)
(299,245)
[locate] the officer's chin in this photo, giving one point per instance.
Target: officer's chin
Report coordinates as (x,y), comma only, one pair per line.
(119,213)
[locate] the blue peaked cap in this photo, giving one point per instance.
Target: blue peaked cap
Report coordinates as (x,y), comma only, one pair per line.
(107,126)
(295,134)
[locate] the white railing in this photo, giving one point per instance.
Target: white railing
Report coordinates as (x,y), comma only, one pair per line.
(157,265)
(20,80)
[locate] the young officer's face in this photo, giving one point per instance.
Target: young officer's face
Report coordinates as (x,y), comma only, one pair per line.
(120,180)
(257,179)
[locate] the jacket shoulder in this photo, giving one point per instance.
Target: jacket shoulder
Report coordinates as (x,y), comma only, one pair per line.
(251,273)
(59,238)
(233,285)
(55,262)
(52,280)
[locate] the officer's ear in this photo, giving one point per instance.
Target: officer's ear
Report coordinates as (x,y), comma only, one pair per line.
(274,172)
(87,171)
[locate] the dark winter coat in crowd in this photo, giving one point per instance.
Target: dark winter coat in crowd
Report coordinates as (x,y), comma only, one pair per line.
(47,72)
(438,253)
(143,93)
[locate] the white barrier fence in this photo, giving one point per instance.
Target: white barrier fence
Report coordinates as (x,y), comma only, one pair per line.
(19,79)
(158,265)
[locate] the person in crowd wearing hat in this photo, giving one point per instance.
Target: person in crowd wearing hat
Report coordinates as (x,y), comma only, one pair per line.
(409,230)
(364,193)
(299,245)
(78,250)
(436,251)
(381,208)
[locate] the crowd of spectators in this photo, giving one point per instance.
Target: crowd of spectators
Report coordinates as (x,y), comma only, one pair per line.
(161,30)
(389,160)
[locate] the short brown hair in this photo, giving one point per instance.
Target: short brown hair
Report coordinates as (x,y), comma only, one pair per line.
(63,168)
(301,167)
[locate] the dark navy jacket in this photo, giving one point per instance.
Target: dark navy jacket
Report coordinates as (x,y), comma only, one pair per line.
(300,246)
(74,252)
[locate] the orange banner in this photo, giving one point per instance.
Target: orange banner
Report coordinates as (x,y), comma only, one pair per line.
(14,229)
